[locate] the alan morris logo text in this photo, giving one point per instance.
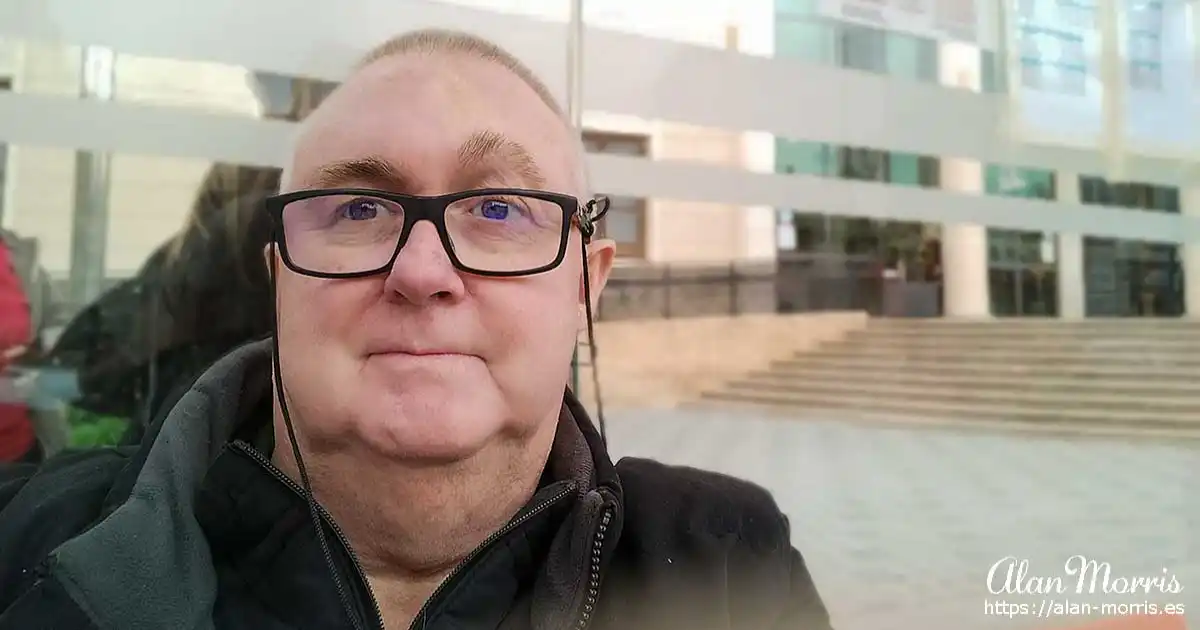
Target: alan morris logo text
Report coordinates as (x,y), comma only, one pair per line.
(1012,576)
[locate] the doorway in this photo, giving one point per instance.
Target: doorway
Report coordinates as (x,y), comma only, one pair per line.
(1024,290)
(1022,274)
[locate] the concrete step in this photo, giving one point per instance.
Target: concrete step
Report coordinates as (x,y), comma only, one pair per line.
(1130,327)
(1118,345)
(1096,401)
(964,365)
(958,411)
(1036,322)
(944,419)
(1016,355)
(1128,383)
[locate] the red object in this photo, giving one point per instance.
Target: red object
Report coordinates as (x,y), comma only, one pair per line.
(17,436)
(16,322)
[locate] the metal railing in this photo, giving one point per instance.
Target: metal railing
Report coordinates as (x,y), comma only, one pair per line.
(688,290)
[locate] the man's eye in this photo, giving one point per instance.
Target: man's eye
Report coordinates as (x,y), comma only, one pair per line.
(359,210)
(494,209)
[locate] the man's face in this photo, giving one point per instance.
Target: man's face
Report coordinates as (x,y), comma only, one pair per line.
(424,361)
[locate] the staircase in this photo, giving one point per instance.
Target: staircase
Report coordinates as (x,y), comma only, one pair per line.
(1105,374)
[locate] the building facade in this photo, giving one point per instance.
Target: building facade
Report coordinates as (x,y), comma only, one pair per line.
(1000,272)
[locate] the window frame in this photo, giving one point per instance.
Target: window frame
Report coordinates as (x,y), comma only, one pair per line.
(595,141)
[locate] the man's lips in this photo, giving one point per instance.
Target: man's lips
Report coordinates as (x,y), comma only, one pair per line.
(419,354)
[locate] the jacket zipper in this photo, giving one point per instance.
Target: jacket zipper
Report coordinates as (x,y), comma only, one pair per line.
(328,520)
(478,551)
(593,592)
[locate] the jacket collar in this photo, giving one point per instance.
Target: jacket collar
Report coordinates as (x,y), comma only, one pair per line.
(162,530)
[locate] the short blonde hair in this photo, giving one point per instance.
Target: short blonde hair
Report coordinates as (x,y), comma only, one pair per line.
(432,41)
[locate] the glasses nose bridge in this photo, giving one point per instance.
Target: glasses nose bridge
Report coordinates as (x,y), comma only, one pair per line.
(417,209)
(432,209)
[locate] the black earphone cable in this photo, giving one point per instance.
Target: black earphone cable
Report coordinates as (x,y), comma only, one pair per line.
(313,510)
(591,333)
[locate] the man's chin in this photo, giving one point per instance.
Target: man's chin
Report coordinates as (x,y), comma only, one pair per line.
(441,430)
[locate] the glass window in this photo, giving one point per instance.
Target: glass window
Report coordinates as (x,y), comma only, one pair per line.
(1165,198)
(1094,190)
(927,60)
(288,98)
(795,7)
(865,164)
(1008,181)
(913,170)
(863,48)
(625,221)
(1053,60)
(904,56)
(1145,16)
(809,158)
(812,231)
(1097,190)
(912,57)
(992,74)
(929,171)
(805,38)
(1145,77)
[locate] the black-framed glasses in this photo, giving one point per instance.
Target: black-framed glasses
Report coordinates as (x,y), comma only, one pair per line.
(499,232)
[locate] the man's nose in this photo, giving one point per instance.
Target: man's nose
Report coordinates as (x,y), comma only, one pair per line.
(422,272)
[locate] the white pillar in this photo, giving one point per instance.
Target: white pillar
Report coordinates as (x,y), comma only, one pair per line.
(964,246)
(1072,293)
(1190,203)
(965,271)
(750,36)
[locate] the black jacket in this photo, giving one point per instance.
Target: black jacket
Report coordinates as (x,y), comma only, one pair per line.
(195,529)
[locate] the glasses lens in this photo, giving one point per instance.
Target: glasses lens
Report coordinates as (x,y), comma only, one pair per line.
(505,232)
(341,233)
(356,233)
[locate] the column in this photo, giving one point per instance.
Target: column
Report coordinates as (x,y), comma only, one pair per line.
(89,228)
(964,246)
(1072,290)
(965,271)
(1190,203)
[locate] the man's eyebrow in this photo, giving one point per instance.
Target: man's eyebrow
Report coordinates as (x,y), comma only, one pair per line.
(372,170)
(490,153)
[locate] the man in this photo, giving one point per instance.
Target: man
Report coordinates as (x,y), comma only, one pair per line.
(415,412)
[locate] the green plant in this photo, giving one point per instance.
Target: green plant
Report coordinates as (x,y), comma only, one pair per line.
(91,430)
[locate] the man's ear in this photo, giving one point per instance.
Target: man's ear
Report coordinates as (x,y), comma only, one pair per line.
(600,256)
(269,259)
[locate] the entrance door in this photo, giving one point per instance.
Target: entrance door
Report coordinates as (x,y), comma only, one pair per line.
(1022,277)
(1024,290)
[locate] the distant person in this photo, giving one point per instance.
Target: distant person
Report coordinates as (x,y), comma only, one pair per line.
(202,293)
(197,296)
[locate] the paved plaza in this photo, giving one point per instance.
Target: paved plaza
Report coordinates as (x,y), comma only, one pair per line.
(900,525)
